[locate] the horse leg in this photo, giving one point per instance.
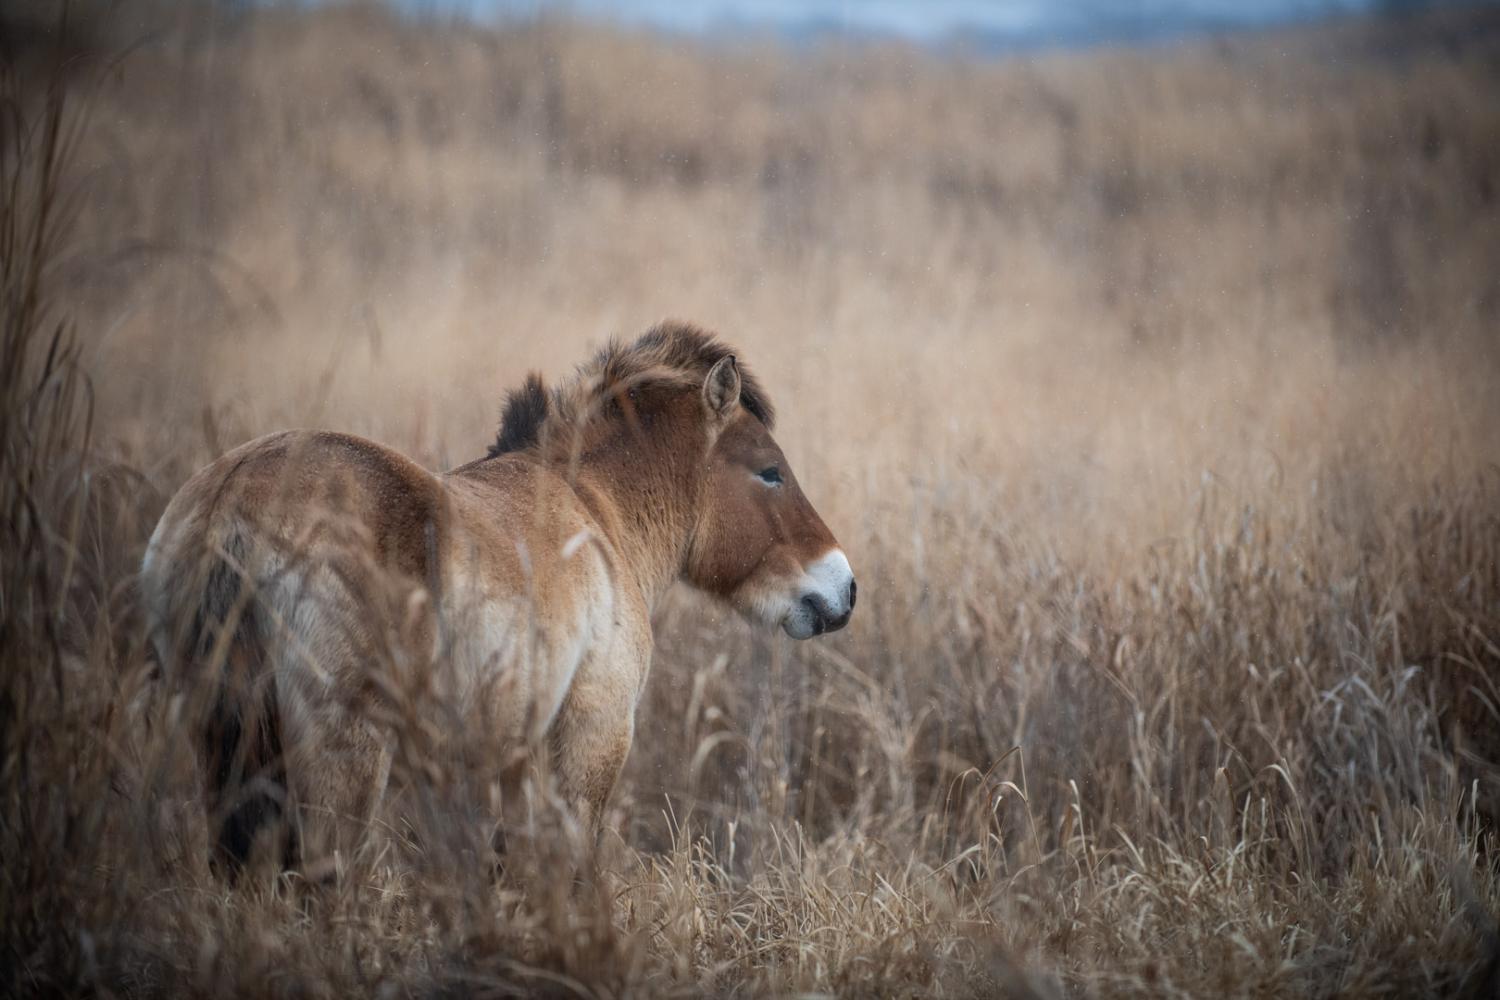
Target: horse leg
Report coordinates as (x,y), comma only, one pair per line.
(590,740)
(340,770)
(338,758)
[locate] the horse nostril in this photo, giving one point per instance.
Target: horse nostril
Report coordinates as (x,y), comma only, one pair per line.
(852,590)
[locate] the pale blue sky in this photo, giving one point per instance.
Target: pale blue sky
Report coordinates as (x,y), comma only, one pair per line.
(994,24)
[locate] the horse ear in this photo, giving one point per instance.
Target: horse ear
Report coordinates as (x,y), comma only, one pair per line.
(721,390)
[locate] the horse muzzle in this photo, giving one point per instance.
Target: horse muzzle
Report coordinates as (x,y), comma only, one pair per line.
(826,599)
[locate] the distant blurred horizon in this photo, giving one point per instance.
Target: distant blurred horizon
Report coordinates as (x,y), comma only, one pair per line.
(993,26)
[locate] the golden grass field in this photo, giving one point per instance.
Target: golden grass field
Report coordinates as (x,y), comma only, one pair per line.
(1154,394)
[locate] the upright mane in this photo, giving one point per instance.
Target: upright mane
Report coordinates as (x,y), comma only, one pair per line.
(670,352)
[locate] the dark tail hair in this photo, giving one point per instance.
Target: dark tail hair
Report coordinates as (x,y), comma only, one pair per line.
(241,733)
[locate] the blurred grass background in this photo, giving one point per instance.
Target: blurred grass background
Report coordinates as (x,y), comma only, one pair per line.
(1152,392)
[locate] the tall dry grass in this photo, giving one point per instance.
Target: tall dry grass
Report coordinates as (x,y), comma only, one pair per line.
(1152,394)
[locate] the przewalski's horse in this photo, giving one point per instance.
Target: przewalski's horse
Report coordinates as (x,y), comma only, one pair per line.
(282,572)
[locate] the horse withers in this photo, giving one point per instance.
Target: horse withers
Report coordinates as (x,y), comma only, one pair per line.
(280,575)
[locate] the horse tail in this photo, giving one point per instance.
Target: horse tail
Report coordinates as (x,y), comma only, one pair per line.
(241,740)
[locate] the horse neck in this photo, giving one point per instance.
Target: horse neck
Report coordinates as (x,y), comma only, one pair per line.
(647,502)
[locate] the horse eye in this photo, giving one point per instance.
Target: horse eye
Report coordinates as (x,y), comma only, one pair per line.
(770,476)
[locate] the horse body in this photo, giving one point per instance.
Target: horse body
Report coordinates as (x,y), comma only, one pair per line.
(299,572)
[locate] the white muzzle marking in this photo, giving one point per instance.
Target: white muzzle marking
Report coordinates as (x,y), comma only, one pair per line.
(823,599)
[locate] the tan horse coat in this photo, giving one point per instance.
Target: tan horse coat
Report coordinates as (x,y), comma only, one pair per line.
(293,576)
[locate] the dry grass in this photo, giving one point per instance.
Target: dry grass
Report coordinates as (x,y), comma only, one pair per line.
(1153,395)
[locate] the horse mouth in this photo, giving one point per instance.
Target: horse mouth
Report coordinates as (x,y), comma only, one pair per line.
(811,616)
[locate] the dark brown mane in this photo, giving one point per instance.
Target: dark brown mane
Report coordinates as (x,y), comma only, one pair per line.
(670,352)
(522,418)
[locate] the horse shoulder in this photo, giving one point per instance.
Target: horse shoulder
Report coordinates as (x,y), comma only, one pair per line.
(531,588)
